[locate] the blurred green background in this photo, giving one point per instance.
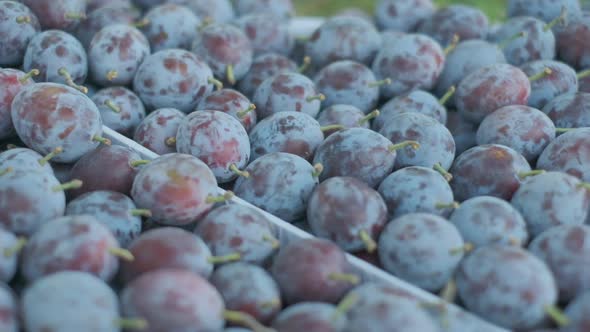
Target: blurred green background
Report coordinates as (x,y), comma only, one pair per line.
(494,8)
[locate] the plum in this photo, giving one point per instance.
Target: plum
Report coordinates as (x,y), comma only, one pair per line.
(118,13)
(267,33)
(310,316)
(415,101)
(59,14)
(220,11)
(170,26)
(158,130)
(9,305)
(11,249)
(546,10)
(571,110)
(12,82)
(233,103)
(120,109)
(18,25)
(403,15)
(464,132)
(569,153)
(24,159)
(347,116)
(577,314)
(279,8)
(466,22)
(263,67)
(572,44)
(549,79)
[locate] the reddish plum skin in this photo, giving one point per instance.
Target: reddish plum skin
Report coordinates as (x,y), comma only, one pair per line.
(52,14)
(370,162)
(341,208)
(290,132)
(159,126)
(487,170)
(120,48)
(286,92)
(465,21)
(249,289)
(437,145)
(279,8)
(131,110)
(49,115)
(562,80)
(572,43)
(9,306)
(54,303)
(343,115)
(525,129)
(412,61)
(490,88)
(15,36)
(506,285)
(551,199)
(102,17)
(223,45)
(348,82)
(487,220)
(172,78)
(10,86)
(231,229)
(8,264)
(569,153)
(303,268)
(218,139)
(309,316)
(267,34)
(76,243)
(112,209)
(27,200)
(343,38)
(263,67)
(151,296)
(566,250)
(105,168)
(464,132)
(171,26)
(231,102)
(416,101)
(577,312)
(403,15)
(167,248)
(570,110)
(175,188)
(416,189)
(51,50)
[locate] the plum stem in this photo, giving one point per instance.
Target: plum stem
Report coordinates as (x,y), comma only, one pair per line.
(370,244)
(231,77)
(141,162)
(141,213)
(207,21)
(16,248)
(30,74)
(220,199)
(70,82)
(467,247)
(102,140)
(583,74)
(112,74)
(274,242)
(445,98)
(121,253)
(23,19)
(332,127)
(442,308)
(413,144)
(382,82)
(218,84)
(74,184)
(561,20)
(274,303)
(43,161)
(557,315)
(305,64)
(452,45)
(144,22)
(224,259)
(584,185)
(369,117)
(170,141)
(6,171)
(115,108)
(75,16)
(439,168)
(514,241)
(504,43)
(317,170)
(234,169)
(449,292)
(319,97)
(243,113)
(563,130)
(546,72)
(132,323)
(352,279)
(246,320)
(453,205)
(524,175)
(344,306)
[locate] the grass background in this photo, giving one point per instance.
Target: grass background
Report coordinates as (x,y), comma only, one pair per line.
(494,8)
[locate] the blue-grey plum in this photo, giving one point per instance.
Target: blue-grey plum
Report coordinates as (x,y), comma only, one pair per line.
(120,109)
(267,33)
(467,22)
(403,15)
(569,153)
(415,101)
(18,25)
(570,110)
(263,67)
(157,131)
(170,26)
(553,78)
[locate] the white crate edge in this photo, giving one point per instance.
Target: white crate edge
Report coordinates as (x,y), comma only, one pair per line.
(288,232)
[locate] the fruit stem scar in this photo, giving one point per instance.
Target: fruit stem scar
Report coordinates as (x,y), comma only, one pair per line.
(109,103)
(445,98)
(5,171)
(305,64)
(524,175)
(220,199)
(504,43)
(352,279)
(171,141)
(332,127)
(274,242)
(453,205)
(369,117)
(27,76)
(243,319)
(438,167)
(112,74)
(218,84)
(243,113)
(319,97)
(74,184)
(70,82)
(546,72)
(23,19)
(557,315)
(16,248)
(102,140)
(43,161)
(132,323)
(317,170)
(234,169)
(121,253)
(452,45)
(224,259)
(141,213)
(413,144)
(386,81)
(370,244)
(231,77)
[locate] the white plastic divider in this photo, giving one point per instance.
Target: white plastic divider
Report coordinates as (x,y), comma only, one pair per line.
(459,319)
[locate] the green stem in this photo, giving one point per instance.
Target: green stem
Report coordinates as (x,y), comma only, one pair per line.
(220,199)
(557,315)
(369,117)
(144,22)
(234,169)
(317,170)
(231,77)
(352,279)
(137,163)
(563,130)
(504,43)
(561,19)
(344,306)
(467,247)
(16,248)
(43,161)
(121,253)
(276,303)
(447,95)
(583,74)
(218,84)
(441,206)
(438,167)
(224,259)
(304,65)
(70,82)
(29,75)
(245,320)
(102,140)
(449,292)
(453,44)
(141,213)
(74,184)
(413,144)
(109,103)
(332,127)
(75,16)
(138,324)
(546,72)
(584,185)
(242,114)
(274,242)
(319,97)
(370,244)
(524,175)
(6,171)
(376,84)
